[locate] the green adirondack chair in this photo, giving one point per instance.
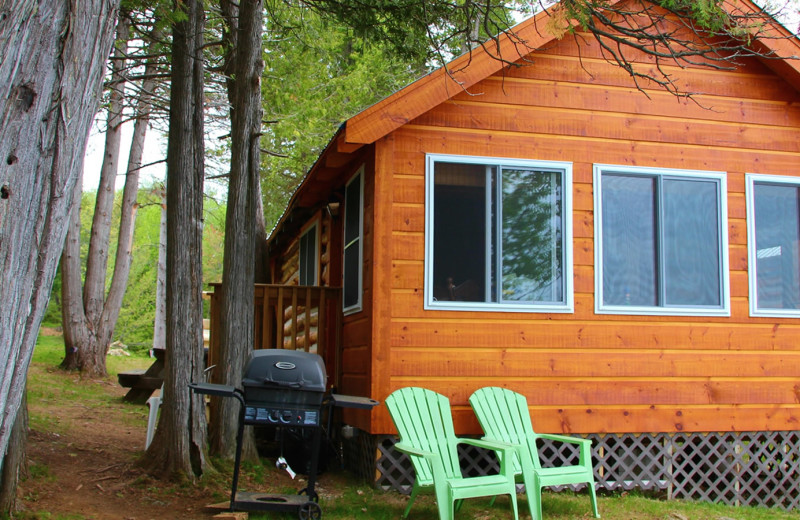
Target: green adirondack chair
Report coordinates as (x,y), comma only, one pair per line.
(504,417)
(425,424)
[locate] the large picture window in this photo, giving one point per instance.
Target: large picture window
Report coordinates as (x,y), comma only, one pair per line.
(353,243)
(498,234)
(773,239)
(661,241)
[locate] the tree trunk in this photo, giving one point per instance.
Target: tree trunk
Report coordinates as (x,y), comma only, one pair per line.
(179,444)
(89,317)
(15,461)
(262,274)
(73,319)
(127,224)
(50,78)
(94,285)
(85,337)
(238,274)
(160,321)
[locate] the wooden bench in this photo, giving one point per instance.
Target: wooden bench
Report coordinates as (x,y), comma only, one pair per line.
(143,383)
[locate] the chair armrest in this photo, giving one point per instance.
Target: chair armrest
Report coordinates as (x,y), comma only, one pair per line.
(585,445)
(433,460)
(489,444)
(503,449)
(563,438)
(411,450)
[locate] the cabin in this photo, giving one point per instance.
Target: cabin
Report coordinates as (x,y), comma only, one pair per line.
(626,258)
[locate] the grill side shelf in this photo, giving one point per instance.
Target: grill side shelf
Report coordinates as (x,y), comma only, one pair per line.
(218,390)
(353,401)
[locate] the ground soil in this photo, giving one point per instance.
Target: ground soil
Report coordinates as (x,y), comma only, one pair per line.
(90,468)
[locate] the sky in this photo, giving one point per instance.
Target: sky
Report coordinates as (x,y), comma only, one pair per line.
(154,150)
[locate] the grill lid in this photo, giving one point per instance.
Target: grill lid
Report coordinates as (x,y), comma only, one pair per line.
(290,369)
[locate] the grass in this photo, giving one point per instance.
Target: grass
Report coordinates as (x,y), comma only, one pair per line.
(48,384)
(366,502)
(341,495)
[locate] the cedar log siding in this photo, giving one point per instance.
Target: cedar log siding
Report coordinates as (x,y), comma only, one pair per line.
(584,372)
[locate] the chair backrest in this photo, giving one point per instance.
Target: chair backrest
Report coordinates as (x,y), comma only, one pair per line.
(423,420)
(504,416)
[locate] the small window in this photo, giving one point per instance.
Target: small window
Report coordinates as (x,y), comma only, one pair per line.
(498,234)
(308,256)
(661,241)
(353,246)
(773,239)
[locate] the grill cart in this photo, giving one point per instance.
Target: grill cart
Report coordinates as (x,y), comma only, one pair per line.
(285,389)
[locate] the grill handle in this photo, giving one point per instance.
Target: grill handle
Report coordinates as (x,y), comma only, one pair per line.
(296,385)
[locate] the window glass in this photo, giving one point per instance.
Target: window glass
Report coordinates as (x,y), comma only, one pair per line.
(459,247)
(629,240)
(353,229)
(532,230)
(776,223)
(308,257)
(691,243)
(496,235)
(661,238)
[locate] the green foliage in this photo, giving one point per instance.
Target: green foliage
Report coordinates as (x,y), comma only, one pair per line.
(135,324)
(416,29)
(317,74)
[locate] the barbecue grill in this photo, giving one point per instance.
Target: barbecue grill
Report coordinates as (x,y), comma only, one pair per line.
(286,389)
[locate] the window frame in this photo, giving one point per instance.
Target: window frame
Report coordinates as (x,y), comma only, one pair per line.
(723,253)
(565,170)
(358,306)
(751,179)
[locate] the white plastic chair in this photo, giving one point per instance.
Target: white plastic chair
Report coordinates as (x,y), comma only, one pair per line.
(154,403)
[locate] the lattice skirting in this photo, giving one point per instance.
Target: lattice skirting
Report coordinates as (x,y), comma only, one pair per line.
(737,468)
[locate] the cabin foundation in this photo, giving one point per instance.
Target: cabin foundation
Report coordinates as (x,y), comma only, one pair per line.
(732,468)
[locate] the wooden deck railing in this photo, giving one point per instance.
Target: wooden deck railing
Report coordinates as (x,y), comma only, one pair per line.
(307,318)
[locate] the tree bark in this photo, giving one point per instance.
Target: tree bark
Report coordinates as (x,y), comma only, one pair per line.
(94,285)
(53,57)
(160,321)
(15,463)
(73,319)
(179,444)
(238,274)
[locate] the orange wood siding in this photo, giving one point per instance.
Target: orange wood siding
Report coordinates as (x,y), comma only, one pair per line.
(584,372)
(357,341)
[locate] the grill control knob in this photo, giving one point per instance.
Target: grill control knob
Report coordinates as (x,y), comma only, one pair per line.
(273,416)
(286,416)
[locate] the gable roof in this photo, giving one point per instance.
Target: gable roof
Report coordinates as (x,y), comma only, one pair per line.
(459,75)
(445,82)
(465,71)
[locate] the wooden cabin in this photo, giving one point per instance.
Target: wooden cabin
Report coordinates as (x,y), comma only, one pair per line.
(626,258)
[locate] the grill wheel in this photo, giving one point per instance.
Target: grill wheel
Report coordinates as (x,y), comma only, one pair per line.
(309,510)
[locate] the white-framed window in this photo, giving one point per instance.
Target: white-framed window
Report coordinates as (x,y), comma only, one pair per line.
(773,239)
(309,245)
(498,234)
(352,275)
(661,241)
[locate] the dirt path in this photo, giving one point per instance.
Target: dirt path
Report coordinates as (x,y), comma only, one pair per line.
(83,453)
(89,469)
